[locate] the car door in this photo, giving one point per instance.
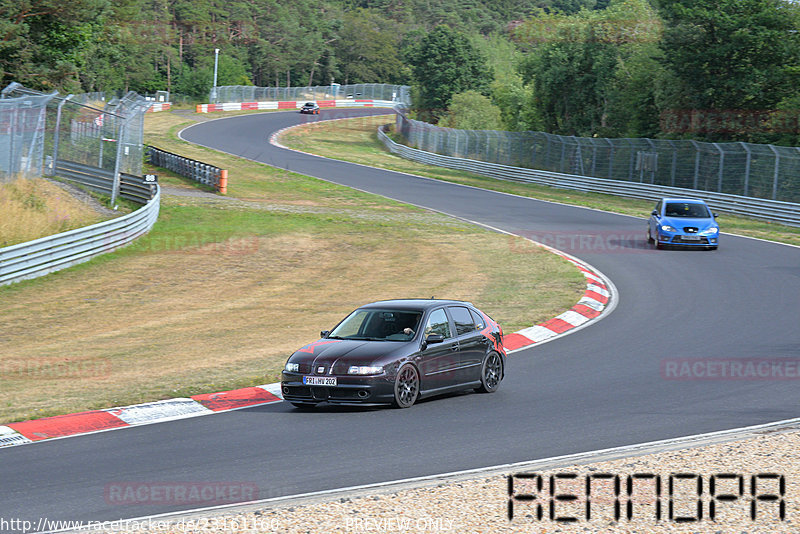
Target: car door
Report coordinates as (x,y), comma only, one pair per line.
(439,362)
(472,345)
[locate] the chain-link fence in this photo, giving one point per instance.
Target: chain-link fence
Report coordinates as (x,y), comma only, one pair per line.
(761,171)
(23,119)
(37,131)
(363,91)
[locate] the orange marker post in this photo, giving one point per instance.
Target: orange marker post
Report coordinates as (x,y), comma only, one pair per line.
(223,182)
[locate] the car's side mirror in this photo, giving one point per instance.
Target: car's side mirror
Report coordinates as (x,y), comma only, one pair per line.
(715,215)
(431,339)
(655,213)
(325,333)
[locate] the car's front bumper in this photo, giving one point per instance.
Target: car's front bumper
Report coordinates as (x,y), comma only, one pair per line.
(349,389)
(688,239)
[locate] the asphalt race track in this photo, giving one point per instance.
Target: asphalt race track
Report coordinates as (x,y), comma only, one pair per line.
(603,386)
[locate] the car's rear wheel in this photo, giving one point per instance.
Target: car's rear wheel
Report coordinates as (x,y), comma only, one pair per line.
(491,373)
(406,386)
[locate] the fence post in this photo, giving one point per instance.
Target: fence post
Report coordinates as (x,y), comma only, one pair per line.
(115,182)
(775,175)
(696,162)
(674,163)
(721,166)
(610,159)
(630,160)
(746,168)
(57,133)
(11,157)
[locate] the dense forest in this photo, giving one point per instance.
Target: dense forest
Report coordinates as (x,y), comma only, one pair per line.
(713,70)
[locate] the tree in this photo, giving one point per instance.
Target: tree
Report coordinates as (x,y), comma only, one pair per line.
(444,63)
(471,110)
(368,49)
(593,72)
(731,54)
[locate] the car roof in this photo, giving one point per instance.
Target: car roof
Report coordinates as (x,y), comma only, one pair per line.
(415,304)
(687,200)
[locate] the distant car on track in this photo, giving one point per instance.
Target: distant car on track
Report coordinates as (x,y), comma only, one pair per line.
(311,108)
(398,351)
(683,221)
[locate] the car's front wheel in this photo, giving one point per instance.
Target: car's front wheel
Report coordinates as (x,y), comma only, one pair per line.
(406,386)
(491,373)
(649,237)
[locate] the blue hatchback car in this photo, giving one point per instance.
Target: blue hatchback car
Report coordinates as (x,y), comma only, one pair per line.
(683,221)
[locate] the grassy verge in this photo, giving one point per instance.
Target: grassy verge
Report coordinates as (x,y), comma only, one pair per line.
(219,293)
(355,140)
(34,208)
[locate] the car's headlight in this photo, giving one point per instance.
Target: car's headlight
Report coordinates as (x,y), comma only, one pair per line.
(364,370)
(710,231)
(668,228)
(293,367)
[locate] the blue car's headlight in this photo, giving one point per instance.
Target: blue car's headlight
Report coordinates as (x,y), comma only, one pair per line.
(293,367)
(667,228)
(710,231)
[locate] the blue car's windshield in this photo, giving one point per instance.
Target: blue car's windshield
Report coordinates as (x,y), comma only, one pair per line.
(378,325)
(686,209)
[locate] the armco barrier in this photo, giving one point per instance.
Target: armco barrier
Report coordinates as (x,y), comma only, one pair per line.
(190,168)
(52,253)
(242,106)
(771,210)
(100,181)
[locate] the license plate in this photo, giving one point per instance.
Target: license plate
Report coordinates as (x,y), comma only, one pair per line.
(691,238)
(319,380)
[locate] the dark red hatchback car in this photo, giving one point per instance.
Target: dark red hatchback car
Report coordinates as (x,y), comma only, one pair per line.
(397,351)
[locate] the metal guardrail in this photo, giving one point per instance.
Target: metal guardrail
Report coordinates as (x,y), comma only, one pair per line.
(100,180)
(771,210)
(190,168)
(48,254)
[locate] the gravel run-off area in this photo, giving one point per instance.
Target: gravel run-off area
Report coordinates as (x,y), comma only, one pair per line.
(480,502)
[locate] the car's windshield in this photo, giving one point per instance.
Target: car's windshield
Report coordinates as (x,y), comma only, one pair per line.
(686,209)
(378,325)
